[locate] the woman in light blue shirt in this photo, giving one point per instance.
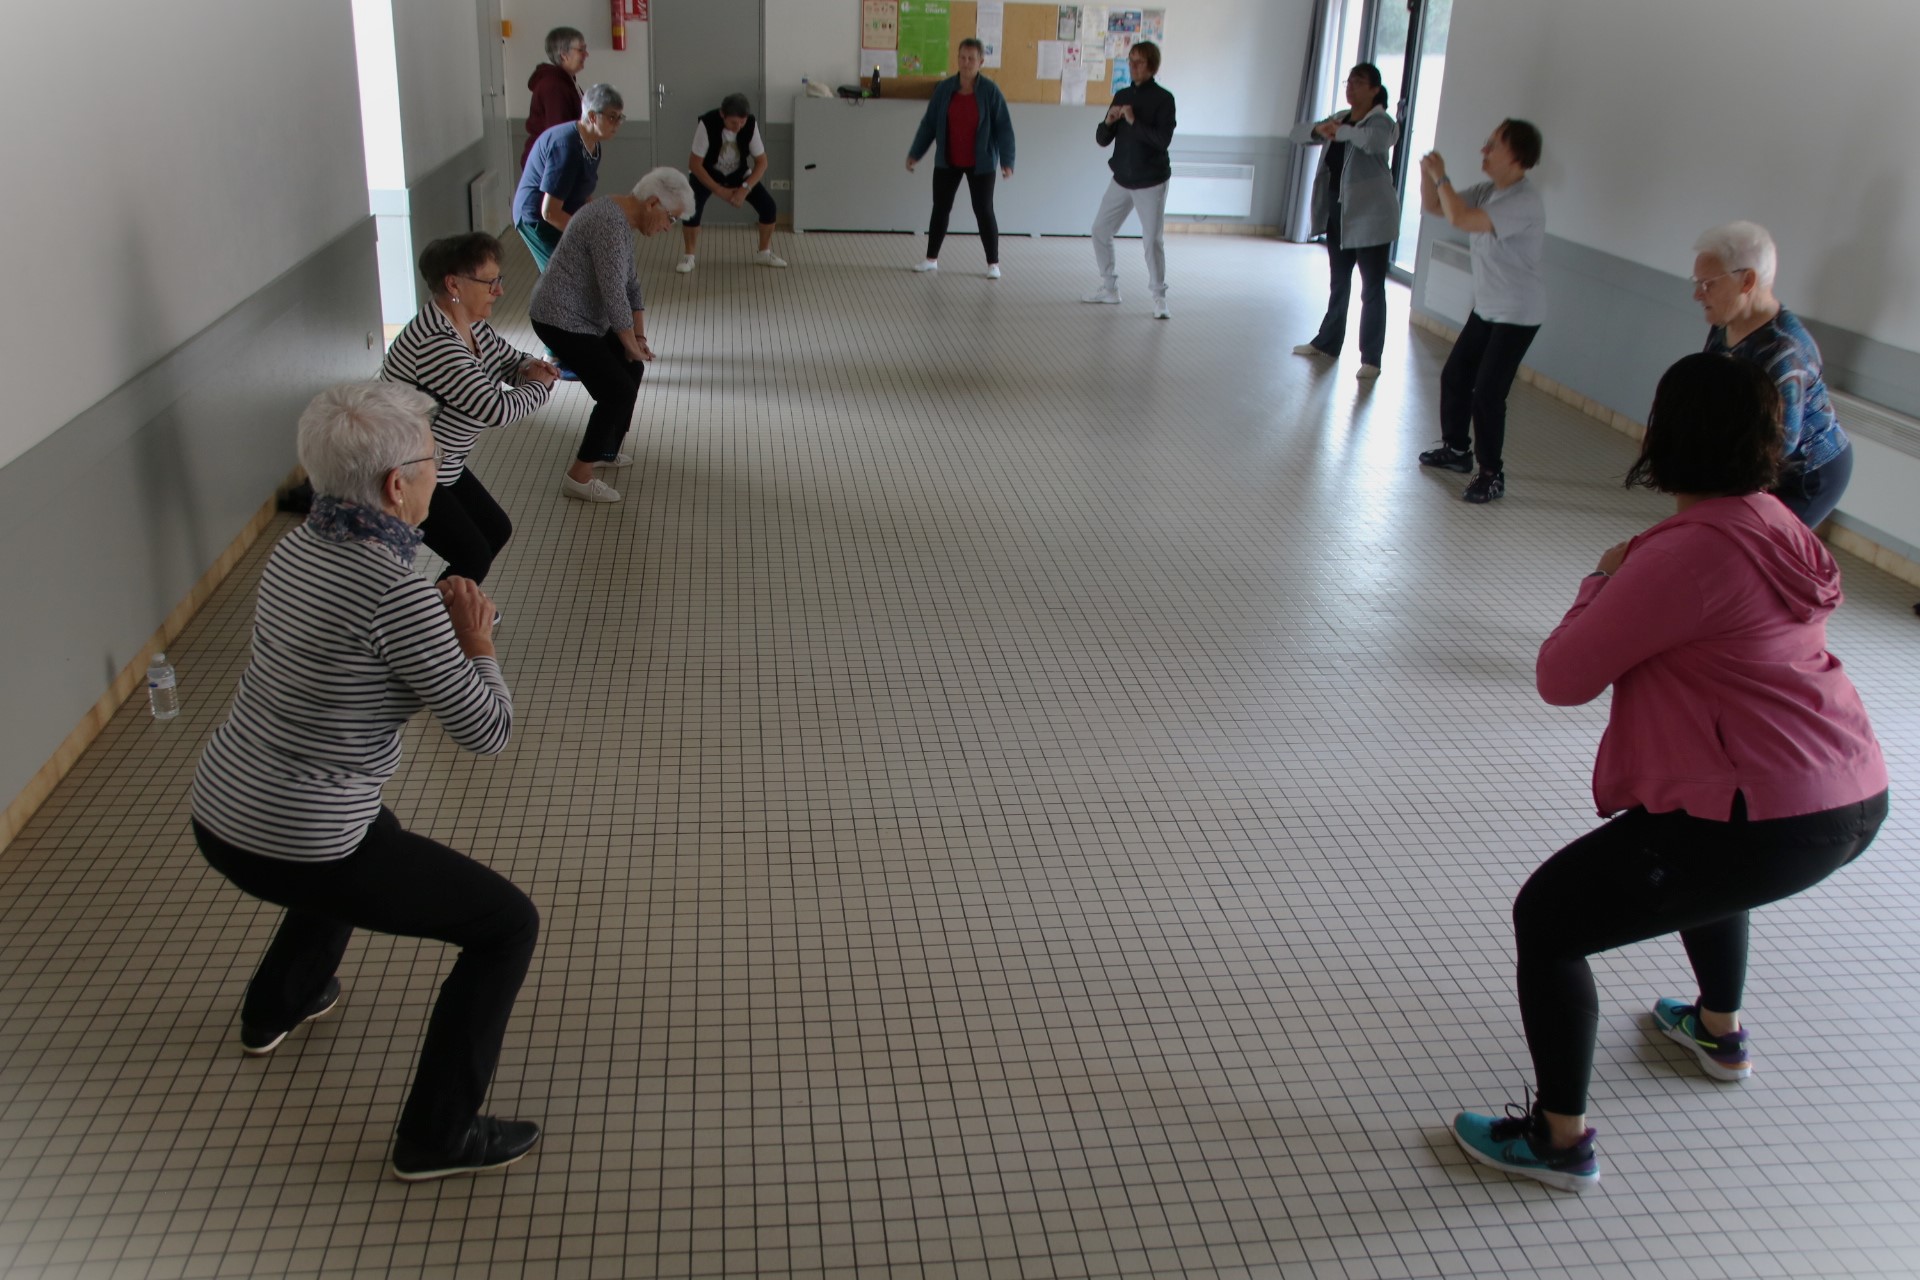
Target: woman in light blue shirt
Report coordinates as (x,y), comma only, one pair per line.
(1506,226)
(1355,204)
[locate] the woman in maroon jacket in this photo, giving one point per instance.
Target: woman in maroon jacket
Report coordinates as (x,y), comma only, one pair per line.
(556,91)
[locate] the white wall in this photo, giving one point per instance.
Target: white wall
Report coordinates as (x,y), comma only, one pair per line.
(627,72)
(1233,65)
(436,43)
(178,194)
(1662,119)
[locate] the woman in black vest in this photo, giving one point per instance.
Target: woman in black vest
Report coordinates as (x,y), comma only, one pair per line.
(728,160)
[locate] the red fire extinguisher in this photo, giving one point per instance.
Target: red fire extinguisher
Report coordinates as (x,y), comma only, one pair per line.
(619,26)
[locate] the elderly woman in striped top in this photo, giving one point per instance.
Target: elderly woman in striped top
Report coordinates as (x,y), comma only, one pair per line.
(348,643)
(479,380)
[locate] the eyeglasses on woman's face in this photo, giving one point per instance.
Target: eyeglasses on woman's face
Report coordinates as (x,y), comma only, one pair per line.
(495,283)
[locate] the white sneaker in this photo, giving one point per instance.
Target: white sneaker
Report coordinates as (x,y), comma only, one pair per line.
(1161,311)
(927,265)
(766,258)
(595,490)
(686,264)
(993,271)
(1110,297)
(624,460)
(1368,372)
(1308,349)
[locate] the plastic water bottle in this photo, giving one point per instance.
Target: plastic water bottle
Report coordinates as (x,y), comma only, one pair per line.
(163,693)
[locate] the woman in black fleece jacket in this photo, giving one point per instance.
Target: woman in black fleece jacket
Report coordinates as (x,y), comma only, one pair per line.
(1139,127)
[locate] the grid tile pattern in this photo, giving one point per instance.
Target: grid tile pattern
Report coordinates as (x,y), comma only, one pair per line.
(1017,789)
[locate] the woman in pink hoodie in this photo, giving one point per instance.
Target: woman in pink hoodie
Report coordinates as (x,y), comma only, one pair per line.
(1738,765)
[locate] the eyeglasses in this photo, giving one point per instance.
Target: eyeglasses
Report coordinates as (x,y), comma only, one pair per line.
(495,284)
(1700,286)
(434,457)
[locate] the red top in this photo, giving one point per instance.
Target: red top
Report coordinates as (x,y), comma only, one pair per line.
(1713,634)
(556,100)
(963,123)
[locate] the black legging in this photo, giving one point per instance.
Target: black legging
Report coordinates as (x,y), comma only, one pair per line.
(1812,495)
(758,197)
(946,184)
(609,377)
(1474,386)
(1647,874)
(1372,261)
(400,883)
(465,527)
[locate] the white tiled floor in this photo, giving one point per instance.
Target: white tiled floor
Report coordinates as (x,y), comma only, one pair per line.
(1018,789)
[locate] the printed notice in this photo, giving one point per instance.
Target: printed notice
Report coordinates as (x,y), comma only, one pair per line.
(1073,83)
(879,25)
(925,37)
(885,61)
(990,26)
(1052,59)
(1153,25)
(1069,27)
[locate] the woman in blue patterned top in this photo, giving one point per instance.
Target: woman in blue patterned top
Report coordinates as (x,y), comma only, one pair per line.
(1733,271)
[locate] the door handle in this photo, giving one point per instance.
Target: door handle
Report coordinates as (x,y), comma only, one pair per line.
(663,96)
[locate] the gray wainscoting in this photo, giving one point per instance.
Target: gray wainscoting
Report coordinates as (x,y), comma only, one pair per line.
(110,521)
(1615,326)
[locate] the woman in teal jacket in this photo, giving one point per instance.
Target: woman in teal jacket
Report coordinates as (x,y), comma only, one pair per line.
(971,132)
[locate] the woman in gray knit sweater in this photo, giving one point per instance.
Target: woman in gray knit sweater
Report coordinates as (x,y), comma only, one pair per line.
(589,310)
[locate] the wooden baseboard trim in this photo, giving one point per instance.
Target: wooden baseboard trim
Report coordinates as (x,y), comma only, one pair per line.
(133,676)
(1850,541)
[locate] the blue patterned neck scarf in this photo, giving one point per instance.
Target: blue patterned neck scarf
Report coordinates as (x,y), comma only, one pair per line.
(339,521)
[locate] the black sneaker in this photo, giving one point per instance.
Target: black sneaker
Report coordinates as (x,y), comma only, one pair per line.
(1486,486)
(489,1144)
(257,1042)
(1448,458)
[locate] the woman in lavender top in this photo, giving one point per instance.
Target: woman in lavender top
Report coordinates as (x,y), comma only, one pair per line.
(1733,271)
(589,310)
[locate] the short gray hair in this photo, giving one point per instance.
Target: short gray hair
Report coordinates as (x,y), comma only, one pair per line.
(669,183)
(560,42)
(601,97)
(1742,246)
(352,435)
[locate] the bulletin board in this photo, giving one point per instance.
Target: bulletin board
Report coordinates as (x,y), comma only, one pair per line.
(1023,28)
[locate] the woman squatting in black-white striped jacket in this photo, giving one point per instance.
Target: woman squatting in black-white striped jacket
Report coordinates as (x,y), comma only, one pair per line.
(348,644)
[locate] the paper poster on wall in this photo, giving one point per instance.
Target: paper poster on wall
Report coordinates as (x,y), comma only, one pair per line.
(1119,79)
(1117,44)
(1153,25)
(879,25)
(1073,85)
(1123,21)
(1094,67)
(925,37)
(988,28)
(1051,59)
(885,61)
(1093,23)
(1069,28)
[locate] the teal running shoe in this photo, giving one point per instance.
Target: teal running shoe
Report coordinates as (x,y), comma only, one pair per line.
(1722,1057)
(1517,1143)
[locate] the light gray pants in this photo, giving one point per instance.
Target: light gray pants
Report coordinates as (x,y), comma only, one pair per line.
(1151,204)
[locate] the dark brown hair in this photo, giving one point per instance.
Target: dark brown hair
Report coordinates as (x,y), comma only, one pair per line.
(1372,73)
(1523,139)
(974,44)
(1714,429)
(456,256)
(1151,52)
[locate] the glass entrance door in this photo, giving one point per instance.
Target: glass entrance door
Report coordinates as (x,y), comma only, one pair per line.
(1410,48)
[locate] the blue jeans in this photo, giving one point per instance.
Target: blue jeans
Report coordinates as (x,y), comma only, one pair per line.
(1812,495)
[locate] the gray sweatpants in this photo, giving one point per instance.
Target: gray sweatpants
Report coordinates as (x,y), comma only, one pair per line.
(1151,204)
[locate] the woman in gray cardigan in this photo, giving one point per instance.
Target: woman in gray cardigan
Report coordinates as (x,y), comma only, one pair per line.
(971,132)
(1355,204)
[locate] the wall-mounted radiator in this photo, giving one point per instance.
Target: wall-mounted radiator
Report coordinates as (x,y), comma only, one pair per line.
(1211,190)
